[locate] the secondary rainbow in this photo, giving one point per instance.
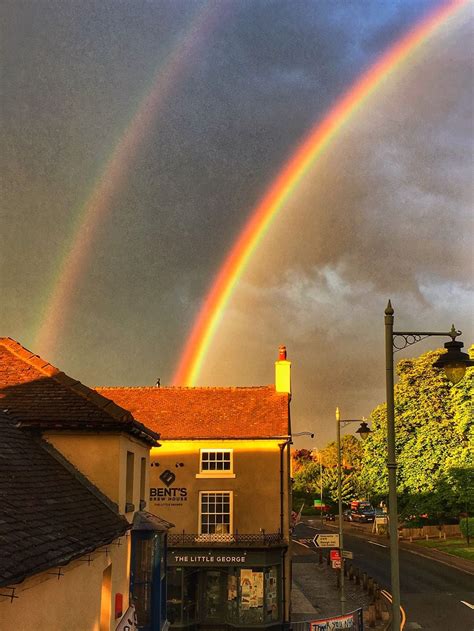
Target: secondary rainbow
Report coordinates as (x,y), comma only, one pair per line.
(314,144)
(99,204)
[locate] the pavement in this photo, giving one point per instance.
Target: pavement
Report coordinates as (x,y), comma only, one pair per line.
(315,594)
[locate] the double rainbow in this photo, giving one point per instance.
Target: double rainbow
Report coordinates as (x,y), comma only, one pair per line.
(318,139)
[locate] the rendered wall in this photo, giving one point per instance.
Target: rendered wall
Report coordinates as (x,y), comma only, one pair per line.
(255,483)
(71,603)
(102,459)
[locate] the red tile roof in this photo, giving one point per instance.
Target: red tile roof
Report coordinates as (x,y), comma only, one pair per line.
(43,396)
(176,413)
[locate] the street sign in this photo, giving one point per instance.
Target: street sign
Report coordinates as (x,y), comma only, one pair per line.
(334,555)
(347,554)
(326,540)
(336,564)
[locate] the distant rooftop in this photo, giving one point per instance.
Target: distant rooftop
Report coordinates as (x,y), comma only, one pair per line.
(216,412)
(43,396)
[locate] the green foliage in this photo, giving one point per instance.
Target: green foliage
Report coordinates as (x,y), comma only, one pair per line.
(467,527)
(434,425)
(435,441)
(330,485)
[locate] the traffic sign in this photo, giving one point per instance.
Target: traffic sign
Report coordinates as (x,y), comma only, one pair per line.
(336,564)
(326,540)
(334,555)
(347,554)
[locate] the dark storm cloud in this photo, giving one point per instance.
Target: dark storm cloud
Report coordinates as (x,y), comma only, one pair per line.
(76,72)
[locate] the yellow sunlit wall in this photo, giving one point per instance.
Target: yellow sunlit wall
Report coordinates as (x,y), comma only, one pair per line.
(254,482)
(103,461)
(72,602)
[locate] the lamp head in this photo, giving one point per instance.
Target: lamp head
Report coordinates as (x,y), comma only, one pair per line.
(454,362)
(364,430)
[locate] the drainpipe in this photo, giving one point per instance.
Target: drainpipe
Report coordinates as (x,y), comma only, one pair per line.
(282,518)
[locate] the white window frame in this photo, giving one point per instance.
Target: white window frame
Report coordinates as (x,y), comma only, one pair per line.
(216,473)
(204,535)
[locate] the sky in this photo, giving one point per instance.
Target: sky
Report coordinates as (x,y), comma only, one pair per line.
(385,213)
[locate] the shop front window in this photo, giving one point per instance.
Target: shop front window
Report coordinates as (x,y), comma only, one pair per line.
(241,597)
(183,595)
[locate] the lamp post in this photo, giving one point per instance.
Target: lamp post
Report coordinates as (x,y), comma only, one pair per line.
(454,363)
(364,431)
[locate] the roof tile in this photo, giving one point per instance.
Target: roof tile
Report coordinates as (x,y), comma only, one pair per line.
(234,412)
(45,529)
(42,395)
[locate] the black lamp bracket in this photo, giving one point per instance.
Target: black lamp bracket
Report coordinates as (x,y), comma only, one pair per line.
(403,339)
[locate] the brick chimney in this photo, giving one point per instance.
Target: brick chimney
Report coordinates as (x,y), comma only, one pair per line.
(282,372)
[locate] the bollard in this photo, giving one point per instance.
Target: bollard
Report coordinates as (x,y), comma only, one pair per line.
(370,585)
(357,576)
(371,616)
(378,605)
(426,536)
(351,572)
(364,580)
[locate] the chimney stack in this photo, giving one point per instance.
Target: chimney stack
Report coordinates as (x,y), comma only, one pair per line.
(282,372)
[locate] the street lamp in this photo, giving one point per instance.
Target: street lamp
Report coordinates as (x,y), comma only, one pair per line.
(454,363)
(363,432)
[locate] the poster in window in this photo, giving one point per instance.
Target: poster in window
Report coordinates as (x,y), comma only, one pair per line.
(257,590)
(245,588)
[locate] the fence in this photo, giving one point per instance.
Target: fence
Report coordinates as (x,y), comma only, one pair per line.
(450,530)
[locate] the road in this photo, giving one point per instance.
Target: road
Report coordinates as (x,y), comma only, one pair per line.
(435,597)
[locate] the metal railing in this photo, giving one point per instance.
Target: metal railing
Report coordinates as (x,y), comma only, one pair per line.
(226,539)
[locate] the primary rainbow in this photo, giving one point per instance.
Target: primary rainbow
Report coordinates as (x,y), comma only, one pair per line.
(98,205)
(319,137)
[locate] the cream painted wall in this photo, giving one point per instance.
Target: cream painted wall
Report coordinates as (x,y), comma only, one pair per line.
(255,484)
(102,459)
(71,603)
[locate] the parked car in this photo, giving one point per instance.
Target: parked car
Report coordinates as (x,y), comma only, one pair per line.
(364,514)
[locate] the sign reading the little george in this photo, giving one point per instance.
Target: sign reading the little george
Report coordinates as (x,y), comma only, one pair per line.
(204,556)
(218,557)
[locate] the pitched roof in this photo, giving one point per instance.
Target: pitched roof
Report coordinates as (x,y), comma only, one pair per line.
(49,516)
(43,396)
(257,412)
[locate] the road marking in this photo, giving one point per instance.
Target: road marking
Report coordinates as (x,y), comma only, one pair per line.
(301,543)
(374,543)
(467,604)
(388,596)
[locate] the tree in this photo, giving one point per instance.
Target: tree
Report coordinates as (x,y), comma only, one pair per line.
(434,440)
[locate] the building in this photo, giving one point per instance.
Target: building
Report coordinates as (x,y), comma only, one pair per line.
(74,480)
(222,476)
